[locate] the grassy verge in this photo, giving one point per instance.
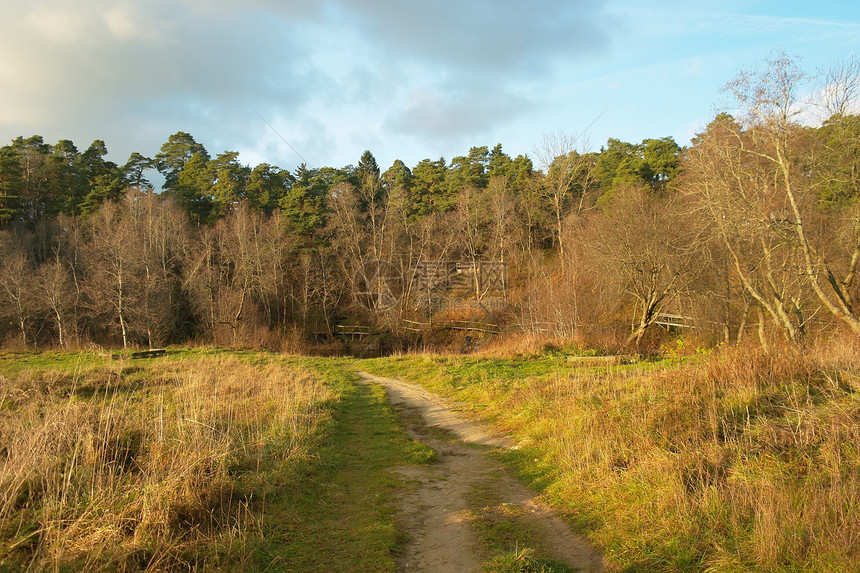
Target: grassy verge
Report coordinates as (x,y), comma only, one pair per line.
(740,461)
(514,544)
(202,460)
(343,519)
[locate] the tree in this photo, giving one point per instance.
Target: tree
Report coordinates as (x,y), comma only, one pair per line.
(37,198)
(56,292)
(111,254)
(505,231)
(472,220)
(398,176)
(16,291)
(132,258)
(266,186)
(193,188)
(364,232)
(241,259)
(499,163)
(175,153)
(134,170)
(469,170)
(767,158)
(11,185)
(429,192)
(661,158)
(105,181)
(368,170)
(619,164)
(303,206)
(229,179)
(736,191)
(159,311)
(68,176)
(568,178)
(651,264)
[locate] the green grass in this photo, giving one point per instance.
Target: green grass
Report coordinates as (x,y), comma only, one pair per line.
(12,363)
(204,459)
(736,461)
(511,541)
(344,516)
(733,461)
(522,560)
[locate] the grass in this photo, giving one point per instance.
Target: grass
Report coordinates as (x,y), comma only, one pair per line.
(522,561)
(344,519)
(514,544)
(207,460)
(203,460)
(736,461)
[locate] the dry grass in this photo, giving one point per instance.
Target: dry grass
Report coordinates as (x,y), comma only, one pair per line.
(145,468)
(517,344)
(745,461)
(736,461)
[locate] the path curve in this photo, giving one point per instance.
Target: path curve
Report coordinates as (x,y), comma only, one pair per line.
(436,516)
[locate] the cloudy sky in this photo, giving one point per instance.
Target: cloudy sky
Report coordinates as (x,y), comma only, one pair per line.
(322,80)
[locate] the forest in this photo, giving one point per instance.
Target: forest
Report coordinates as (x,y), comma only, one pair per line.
(751,231)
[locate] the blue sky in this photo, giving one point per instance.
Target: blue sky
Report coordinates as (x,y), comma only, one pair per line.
(406,79)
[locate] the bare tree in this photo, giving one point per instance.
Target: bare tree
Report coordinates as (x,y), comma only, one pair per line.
(735,189)
(201,278)
(755,180)
(16,289)
(645,246)
(132,263)
(111,254)
(161,230)
(566,182)
(56,291)
(841,90)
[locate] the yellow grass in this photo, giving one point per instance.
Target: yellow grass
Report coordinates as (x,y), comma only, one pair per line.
(145,468)
(735,461)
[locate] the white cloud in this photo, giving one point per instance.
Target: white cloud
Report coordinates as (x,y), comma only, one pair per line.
(58,24)
(127,23)
(134,68)
(342,76)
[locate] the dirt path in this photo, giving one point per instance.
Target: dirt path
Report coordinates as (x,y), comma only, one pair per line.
(438,516)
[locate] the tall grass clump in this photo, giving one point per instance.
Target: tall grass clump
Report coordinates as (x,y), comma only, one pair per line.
(155,467)
(741,460)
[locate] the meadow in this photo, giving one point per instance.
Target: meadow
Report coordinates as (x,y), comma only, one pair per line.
(203,460)
(734,459)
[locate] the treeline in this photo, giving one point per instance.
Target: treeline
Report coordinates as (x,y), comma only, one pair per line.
(753,227)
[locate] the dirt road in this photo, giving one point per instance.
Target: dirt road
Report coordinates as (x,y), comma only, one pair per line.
(440,515)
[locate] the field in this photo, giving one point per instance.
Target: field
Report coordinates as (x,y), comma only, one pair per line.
(202,460)
(735,460)
(731,460)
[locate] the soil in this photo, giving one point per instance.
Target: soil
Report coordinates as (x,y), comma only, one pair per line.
(436,515)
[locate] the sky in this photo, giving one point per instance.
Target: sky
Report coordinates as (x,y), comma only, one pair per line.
(319,81)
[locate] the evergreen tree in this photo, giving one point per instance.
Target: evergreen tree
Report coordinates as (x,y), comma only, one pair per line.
(398,176)
(11,185)
(134,169)
(229,179)
(429,192)
(193,188)
(266,186)
(175,153)
(303,206)
(469,170)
